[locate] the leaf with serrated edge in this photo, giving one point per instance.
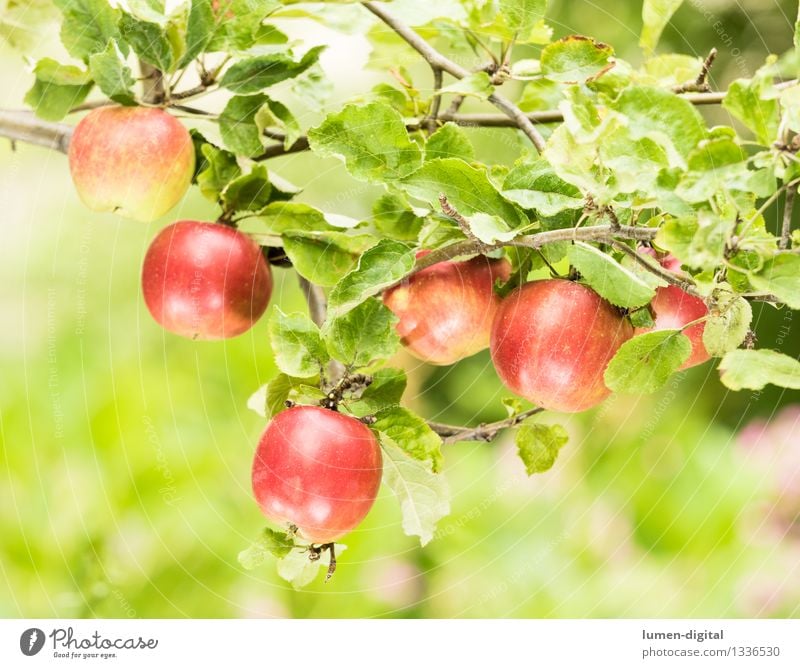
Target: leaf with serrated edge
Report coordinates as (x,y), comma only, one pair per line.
(780,276)
(296,344)
(644,363)
(411,433)
(383,264)
(371,138)
(608,278)
(754,369)
(362,335)
(424,495)
(728,323)
(538,445)
(298,570)
(270,543)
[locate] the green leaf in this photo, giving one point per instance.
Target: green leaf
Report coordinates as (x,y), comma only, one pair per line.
(362,335)
(518,20)
(641,318)
(383,264)
(386,389)
(371,138)
(237,124)
(644,363)
(538,445)
(57,89)
(270,399)
(411,433)
(296,344)
(270,544)
(149,40)
(281,217)
(655,16)
(449,141)
(608,278)
(468,189)
(324,257)
(88,26)
(780,276)
(663,117)
(535,185)
(276,114)
(424,496)
(648,277)
(478,84)
(253,75)
(698,240)
(728,323)
(112,74)
(200,27)
(752,101)
(575,59)
(297,569)
(490,229)
(394,218)
(239,25)
(522,16)
(249,192)
(754,369)
(215,170)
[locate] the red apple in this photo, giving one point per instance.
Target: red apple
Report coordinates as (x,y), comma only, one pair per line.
(674,308)
(552,340)
(137,161)
(205,280)
(318,470)
(446,310)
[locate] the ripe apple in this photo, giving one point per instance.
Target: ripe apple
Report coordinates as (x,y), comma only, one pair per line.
(318,470)
(137,161)
(674,308)
(446,310)
(205,280)
(552,340)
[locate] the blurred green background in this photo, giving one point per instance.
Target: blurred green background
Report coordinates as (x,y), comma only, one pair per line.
(125,451)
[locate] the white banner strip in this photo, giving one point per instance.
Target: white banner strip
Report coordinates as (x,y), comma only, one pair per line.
(399,643)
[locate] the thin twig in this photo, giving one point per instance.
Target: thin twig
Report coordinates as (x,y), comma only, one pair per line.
(600,233)
(153,91)
(439,61)
(57,135)
(451,212)
(682,281)
(276,150)
(436,104)
(788,209)
(26,127)
(317,302)
(700,84)
(483,432)
(318,310)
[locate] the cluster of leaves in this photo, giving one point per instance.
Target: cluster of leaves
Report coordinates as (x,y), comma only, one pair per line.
(624,151)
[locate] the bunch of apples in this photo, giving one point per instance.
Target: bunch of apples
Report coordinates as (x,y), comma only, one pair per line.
(317,470)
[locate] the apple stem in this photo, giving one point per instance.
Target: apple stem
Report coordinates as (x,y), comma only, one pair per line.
(332,565)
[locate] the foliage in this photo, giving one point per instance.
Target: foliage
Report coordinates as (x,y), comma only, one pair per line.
(627,160)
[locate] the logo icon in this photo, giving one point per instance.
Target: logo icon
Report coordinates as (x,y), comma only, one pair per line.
(31,641)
